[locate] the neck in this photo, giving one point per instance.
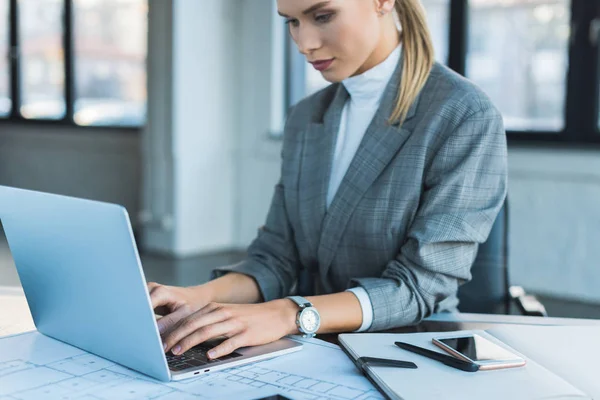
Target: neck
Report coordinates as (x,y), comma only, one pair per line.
(390,39)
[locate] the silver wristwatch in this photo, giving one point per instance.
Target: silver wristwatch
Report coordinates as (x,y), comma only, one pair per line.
(308,319)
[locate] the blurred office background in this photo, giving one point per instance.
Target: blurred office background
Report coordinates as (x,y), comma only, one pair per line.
(174,109)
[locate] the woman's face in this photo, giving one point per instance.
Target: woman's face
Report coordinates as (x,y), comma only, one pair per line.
(338,37)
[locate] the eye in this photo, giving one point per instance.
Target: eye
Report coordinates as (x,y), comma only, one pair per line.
(292,22)
(324,18)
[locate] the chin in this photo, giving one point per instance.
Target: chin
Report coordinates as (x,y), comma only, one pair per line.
(333,76)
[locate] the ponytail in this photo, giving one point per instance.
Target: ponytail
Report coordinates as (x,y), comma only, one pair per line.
(417,48)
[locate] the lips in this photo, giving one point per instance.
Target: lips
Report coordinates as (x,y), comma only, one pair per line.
(322,65)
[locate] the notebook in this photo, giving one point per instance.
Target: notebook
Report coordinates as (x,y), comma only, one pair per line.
(561,363)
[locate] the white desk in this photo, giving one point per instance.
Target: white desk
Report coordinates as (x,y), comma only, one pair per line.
(511,319)
(15,318)
(14,312)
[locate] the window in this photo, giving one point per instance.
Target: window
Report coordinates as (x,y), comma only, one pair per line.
(42,65)
(79,61)
(518,54)
(5,102)
(110,62)
(438,17)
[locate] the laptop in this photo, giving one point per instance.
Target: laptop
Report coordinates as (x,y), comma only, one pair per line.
(81,273)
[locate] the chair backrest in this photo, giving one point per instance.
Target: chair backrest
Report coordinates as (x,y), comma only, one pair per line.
(487,292)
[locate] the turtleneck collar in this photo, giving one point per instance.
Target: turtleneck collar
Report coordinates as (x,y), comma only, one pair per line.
(367,88)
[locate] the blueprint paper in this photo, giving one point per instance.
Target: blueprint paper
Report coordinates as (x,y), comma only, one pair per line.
(33,366)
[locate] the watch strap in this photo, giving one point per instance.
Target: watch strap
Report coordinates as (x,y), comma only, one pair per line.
(301,301)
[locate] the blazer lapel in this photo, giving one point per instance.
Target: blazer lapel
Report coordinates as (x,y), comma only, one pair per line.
(379,145)
(317,157)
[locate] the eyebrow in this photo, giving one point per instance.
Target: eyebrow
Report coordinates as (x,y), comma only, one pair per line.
(309,9)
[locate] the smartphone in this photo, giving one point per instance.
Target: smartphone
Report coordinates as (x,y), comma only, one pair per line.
(481,351)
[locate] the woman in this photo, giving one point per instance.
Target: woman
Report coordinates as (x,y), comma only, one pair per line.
(391,177)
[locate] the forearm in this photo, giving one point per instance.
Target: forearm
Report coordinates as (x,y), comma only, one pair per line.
(234,288)
(340,312)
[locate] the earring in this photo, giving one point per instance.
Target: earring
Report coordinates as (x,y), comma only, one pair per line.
(382,12)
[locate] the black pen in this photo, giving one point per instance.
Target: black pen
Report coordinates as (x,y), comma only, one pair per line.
(384,362)
(446,359)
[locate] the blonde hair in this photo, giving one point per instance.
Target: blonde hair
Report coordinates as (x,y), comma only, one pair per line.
(417,48)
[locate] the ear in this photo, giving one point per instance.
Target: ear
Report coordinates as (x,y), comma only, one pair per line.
(384,7)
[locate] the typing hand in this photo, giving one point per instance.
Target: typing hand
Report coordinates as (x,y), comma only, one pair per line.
(242,324)
(175,303)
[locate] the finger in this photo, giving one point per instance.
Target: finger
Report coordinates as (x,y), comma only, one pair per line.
(226,328)
(167,322)
(161,310)
(191,323)
(174,321)
(161,296)
(229,346)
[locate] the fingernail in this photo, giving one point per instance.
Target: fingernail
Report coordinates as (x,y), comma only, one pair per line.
(160,328)
(212,354)
(177,349)
(164,346)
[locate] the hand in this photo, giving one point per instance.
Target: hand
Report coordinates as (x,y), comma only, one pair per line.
(175,303)
(242,325)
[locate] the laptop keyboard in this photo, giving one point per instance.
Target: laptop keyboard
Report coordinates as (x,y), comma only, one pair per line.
(195,357)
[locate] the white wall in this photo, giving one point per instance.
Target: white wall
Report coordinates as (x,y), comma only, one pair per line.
(555,221)
(258,156)
(189,164)
(100,164)
(205,104)
(209,167)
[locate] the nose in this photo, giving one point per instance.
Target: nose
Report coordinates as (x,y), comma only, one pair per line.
(307,39)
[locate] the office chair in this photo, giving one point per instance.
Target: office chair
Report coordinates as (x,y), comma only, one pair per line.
(489,290)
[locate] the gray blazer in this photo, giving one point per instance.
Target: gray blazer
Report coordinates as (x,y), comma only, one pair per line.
(410,212)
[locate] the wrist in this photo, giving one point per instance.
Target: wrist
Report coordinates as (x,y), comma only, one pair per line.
(232,288)
(218,290)
(288,311)
(202,294)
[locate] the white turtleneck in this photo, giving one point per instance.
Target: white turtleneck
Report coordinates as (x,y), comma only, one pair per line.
(366,91)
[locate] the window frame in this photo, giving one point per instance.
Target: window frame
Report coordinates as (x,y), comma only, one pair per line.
(582,103)
(68,120)
(581,115)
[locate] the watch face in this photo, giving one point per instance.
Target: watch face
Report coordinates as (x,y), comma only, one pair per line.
(310,320)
